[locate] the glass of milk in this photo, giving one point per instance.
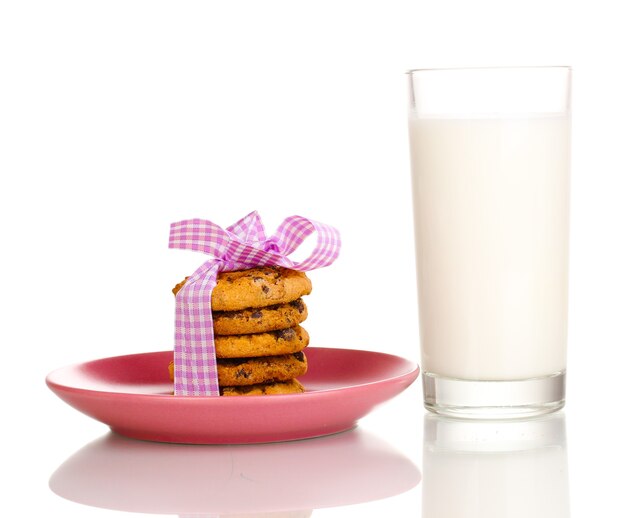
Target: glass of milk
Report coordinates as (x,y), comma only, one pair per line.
(490,155)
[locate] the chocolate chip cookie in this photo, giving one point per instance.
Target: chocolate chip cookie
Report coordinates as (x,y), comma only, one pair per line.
(256,288)
(262,389)
(282,341)
(259,320)
(252,371)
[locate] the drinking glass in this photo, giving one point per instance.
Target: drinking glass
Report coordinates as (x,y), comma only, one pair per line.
(490,156)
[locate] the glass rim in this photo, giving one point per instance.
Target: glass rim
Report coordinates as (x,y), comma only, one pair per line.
(492,68)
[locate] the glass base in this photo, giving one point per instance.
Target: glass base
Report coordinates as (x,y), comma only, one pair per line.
(493,399)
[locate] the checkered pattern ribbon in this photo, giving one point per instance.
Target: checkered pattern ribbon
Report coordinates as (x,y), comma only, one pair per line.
(242,245)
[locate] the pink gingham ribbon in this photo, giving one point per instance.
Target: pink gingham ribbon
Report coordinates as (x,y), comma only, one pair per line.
(242,245)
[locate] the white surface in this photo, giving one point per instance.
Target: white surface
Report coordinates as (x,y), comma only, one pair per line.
(119,117)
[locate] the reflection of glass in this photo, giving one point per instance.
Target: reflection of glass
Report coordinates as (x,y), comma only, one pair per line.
(281,479)
(490,162)
(495,469)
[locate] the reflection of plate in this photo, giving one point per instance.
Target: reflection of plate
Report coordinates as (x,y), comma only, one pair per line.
(132,395)
(116,473)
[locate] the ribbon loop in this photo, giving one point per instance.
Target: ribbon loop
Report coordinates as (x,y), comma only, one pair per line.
(199,235)
(249,228)
(295,229)
(242,245)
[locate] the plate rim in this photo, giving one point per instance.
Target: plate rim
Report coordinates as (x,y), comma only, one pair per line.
(412,371)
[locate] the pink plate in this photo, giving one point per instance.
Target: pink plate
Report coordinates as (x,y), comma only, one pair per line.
(131,394)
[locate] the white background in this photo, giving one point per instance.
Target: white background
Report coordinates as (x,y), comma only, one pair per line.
(119,117)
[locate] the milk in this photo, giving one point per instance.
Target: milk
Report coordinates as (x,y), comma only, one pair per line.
(491,211)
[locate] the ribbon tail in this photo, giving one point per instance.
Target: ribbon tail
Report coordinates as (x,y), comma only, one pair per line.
(195,364)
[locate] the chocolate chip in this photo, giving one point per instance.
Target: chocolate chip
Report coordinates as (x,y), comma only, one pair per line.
(285,334)
(256,314)
(265,289)
(299,357)
(242,373)
(298,304)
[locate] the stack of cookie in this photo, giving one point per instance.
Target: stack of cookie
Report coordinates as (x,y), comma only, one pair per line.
(258,339)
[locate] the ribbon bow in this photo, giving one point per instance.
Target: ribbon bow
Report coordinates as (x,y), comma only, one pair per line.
(242,245)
